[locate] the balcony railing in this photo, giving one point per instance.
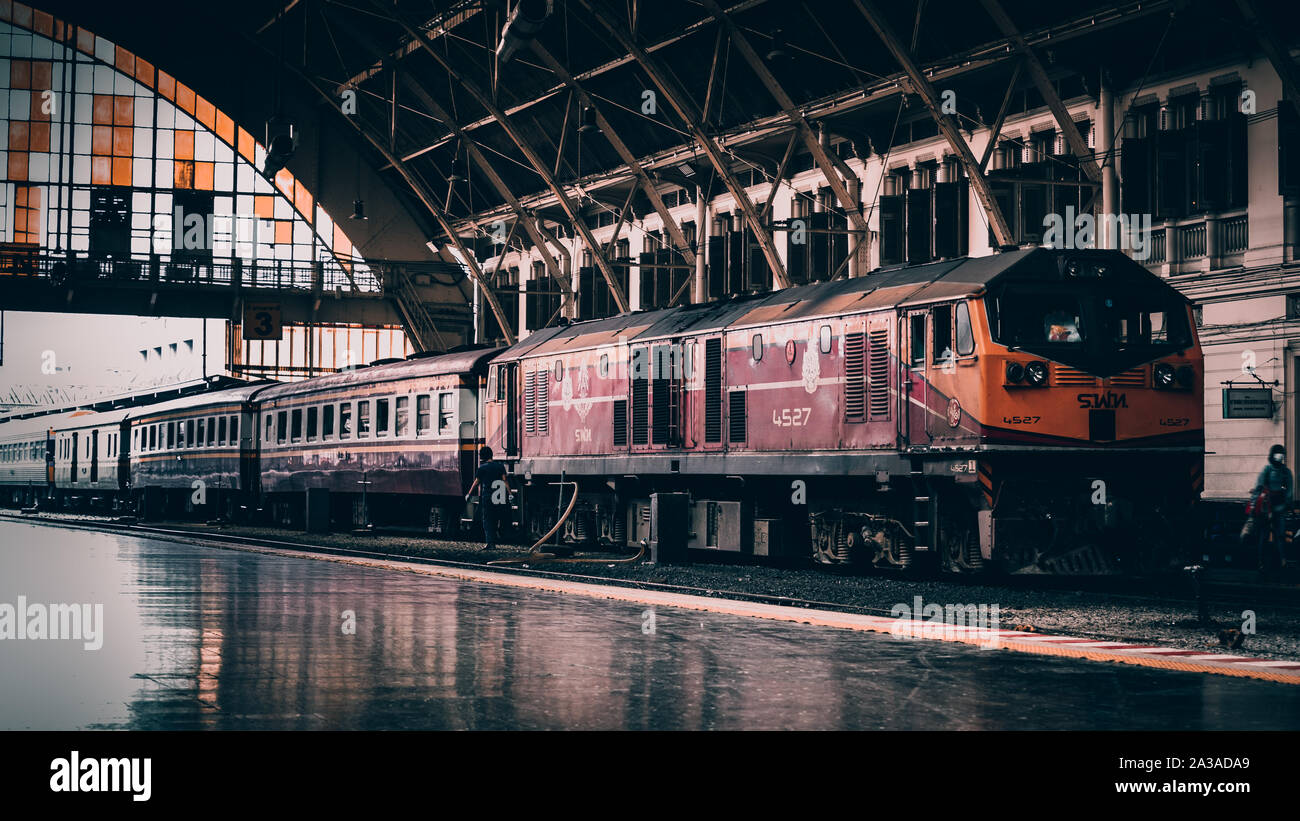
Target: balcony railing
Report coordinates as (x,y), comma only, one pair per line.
(1233,235)
(1193,241)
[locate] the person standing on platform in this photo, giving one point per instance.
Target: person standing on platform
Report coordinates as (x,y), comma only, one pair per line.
(493,494)
(1276,480)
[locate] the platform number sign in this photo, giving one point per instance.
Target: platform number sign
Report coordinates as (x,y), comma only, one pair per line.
(262,321)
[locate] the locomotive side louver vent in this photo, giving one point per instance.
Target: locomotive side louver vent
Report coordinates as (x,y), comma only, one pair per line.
(855,377)
(713,390)
(543,398)
(620,423)
(640,413)
(530,411)
(736,426)
(878,375)
(661,398)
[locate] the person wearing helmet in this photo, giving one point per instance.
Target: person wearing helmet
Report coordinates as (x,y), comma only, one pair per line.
(1276,480)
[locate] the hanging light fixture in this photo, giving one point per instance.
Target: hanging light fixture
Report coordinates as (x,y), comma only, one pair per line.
(457,172)
(587,122)
(777,51)
(358,210)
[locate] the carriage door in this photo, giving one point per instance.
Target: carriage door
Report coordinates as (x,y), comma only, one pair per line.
(510,373)
(912,394)
(75,454)
(94,456)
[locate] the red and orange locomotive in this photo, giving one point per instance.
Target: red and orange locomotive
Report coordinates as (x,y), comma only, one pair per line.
(1038,410)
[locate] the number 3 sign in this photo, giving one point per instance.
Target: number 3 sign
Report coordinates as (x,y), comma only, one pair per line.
(262,321)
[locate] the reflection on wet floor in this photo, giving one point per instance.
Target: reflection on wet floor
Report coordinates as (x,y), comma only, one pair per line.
(205,638)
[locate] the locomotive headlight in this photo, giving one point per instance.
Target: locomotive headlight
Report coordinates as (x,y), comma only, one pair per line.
(1015,372)
(1164,375)
(1186,376)
(1036,373)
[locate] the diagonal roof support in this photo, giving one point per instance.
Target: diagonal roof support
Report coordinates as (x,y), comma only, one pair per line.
(1276,51)
(819,153)
(685,108)
(947,126)
(579,225)
(996,130)
(1038,74)
(661,208)
(429,201)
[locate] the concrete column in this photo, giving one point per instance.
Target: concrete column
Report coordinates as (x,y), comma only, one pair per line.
(1104,131)
(699,288)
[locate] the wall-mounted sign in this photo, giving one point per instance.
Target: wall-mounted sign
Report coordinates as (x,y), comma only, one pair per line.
(1247,403)
(262,321)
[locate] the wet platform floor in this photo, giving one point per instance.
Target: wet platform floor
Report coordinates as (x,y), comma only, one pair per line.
(197,638)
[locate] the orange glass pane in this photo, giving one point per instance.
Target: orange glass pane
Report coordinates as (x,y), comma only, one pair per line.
(122,139)
(166,85)
(20,195)
(123,110)
(284,181)
(40,137)
(23,15)
(247,145)
(102,112)
(43,23)
(42,71)
(185,98)
(184,177)
(283,232)
(121,171)
(144,71)
(184,145)
(38,105)
(20,74)
(205,112)
(203,172)
(33,224)
(225,128)
(302,200)
(342,246)
(101,140)
(85,41)
(101,170)
(18,135)
(264,206)
(125,61)
(17,166)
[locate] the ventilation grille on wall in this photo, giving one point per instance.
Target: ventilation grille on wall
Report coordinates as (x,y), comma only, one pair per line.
(640,415)
(713,390)
(530,410)
(855,377)
(736,426)
(620,423)
(878,377)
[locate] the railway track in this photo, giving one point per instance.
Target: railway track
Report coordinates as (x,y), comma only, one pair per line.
(1196,591)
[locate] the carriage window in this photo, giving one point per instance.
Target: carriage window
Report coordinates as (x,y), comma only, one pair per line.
(327,422)
(135,439)
(198,443)
(221,431)
(270,427)
(212,431)
(281,426)
(381,417)
(965,335)
(153,437)
(189,434)
(345,420)
(918,340)
(234,430)
(171,434)
(403,409)
(942,333)
(363,419)
(422,404)
(312,413)
(296,425)
(445,412)
(180,436)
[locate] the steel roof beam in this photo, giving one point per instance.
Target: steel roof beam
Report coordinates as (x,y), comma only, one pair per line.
(616,290)
(1038,74)
(1276,51)
(685,108)
(947,125)
(647,185)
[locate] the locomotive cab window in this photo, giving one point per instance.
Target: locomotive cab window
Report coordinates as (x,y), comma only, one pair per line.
(942,333)
(917,339)
(965,334)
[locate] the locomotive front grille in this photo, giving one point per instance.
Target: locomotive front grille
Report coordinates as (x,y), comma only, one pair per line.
(1136,378)
(1062,375)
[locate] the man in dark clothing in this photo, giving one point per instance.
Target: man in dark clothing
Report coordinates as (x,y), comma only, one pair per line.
(493,494)
(1276,479)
